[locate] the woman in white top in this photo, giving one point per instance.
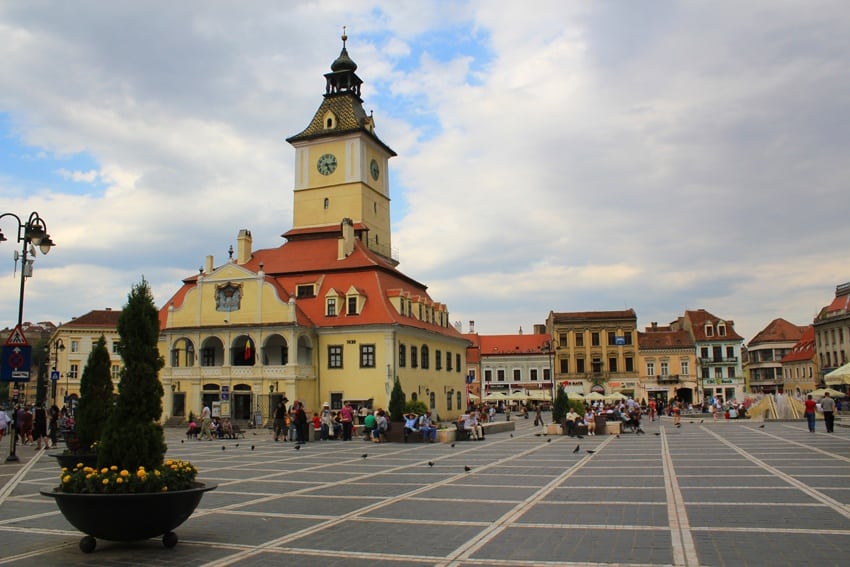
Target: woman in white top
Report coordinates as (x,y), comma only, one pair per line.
(590,420)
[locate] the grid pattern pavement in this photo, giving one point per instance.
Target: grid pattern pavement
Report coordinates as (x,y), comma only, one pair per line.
(728,493)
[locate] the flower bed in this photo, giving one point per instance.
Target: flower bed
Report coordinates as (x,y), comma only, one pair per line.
(172,475)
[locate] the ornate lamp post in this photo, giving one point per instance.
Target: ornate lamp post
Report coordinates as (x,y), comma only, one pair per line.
(58,346)
(31,233)
(549,349)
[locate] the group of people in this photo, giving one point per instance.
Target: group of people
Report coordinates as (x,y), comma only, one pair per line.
(34,425)
(628,413)
(827,406)
(423,424)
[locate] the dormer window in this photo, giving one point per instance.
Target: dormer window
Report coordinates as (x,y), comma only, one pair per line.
(304,291)
(721,330)
(330,121)
(352,305)
(330,307)
(709,331)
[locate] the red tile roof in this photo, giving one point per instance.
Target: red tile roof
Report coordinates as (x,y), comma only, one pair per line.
(106,318)
(665,339)
(804,349)
(501,345)
(778,330)
(700,317)
(583,315)
(315,260)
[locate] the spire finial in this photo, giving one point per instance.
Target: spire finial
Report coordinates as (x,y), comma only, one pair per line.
(344,37)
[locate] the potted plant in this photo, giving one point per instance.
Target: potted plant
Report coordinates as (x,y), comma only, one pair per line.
(133,493)
(93,410)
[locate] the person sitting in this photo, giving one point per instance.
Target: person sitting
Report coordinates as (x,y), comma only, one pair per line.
(193,431)
(226,429)
(381,426)
(370,422)
(590,420)
(471,425)
(427,427)
(411,424)
(570,422)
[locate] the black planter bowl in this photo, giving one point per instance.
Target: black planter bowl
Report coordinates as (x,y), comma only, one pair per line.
(128,517)
(70,460)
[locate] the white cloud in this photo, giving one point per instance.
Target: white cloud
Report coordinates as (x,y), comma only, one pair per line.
(574,156)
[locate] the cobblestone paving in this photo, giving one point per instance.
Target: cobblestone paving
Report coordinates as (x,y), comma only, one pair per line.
(729,493)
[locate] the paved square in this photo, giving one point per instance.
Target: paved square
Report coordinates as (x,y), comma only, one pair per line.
(727,493)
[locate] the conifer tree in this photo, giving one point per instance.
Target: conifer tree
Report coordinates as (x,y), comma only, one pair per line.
(133,436)
(559,408)
(396,402)
(96,399)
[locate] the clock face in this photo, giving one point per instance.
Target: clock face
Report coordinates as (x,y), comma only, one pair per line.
(326,164)
(376,171)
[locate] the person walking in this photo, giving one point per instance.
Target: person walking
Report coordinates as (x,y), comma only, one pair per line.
(811,406)
(206,424)
(827,406)
(280,420)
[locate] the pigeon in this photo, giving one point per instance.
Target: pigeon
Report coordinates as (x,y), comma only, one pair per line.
(252,447)
(512,434)
(223,447)
(678,425)
(618,436)
(577,449)
(761,426)
(453,444)
(537,434)
(237,444)
(181,441)
(298,447)
(591,451)
(548,440)
(657,433)
(580,436)
(701,421)
(364,455)
(430,463)
(466,468)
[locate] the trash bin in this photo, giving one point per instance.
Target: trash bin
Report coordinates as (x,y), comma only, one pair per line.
(601,428)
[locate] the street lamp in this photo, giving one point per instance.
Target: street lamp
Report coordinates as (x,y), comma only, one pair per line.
(58,346)
(30,234)
(549,349)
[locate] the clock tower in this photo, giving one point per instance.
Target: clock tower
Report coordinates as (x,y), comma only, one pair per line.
(341,165)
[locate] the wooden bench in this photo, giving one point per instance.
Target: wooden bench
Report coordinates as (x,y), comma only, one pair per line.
(461,434)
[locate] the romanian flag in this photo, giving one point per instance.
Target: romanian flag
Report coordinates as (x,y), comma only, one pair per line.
(248,349)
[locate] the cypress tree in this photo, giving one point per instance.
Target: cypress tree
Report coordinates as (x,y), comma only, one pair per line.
(96,400)
(133,436)
(559,408)
(396,401)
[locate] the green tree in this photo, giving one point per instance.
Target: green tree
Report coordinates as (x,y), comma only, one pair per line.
(133,436)
(396,401)
(559,408)
(418,407)
(96,400)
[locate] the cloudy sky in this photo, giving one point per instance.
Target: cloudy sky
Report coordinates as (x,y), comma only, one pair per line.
(558,155)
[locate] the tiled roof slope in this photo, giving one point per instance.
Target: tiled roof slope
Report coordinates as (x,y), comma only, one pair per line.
(106,318)
(778,330)
(600,315)
(804,349)
(503,345)
(665,339)
(315,261)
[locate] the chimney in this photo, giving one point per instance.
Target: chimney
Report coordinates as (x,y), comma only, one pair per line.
(346,243)
(208,265)
(655,325)
(472,327)
(243,246)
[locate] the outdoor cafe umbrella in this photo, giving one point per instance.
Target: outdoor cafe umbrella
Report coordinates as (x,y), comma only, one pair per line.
(495,397)
(823,391)
(840,375)
(614,396)
(594,397)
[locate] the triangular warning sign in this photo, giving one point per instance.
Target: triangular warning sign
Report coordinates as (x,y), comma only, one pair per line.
(17,338)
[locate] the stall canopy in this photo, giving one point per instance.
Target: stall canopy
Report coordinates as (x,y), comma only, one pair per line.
(840,375)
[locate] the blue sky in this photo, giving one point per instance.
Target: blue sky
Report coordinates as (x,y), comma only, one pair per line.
(554,155)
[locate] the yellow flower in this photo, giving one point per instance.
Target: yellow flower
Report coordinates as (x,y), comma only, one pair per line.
(88,476)
(64,469)
(104,470)
(106,481)
(113,468)
(164,489)
(66,478)
(124,473)
(79,465)
(119,480)
(156,472)
(168,462)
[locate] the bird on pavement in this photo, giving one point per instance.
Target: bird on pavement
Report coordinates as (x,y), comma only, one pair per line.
(657,433)
(252,447)
(580,436)
(591,451)
(181,440)
(297,447)
(548,440)
(761,426)
(223,447)
(466,468)
(453,444)
(364,455)
(577,449)
(430,463)
(618,436)
(237,444)
(512,434)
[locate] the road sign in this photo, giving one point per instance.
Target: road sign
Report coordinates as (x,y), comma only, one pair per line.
(17,337)
(54,375)
(15,363)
